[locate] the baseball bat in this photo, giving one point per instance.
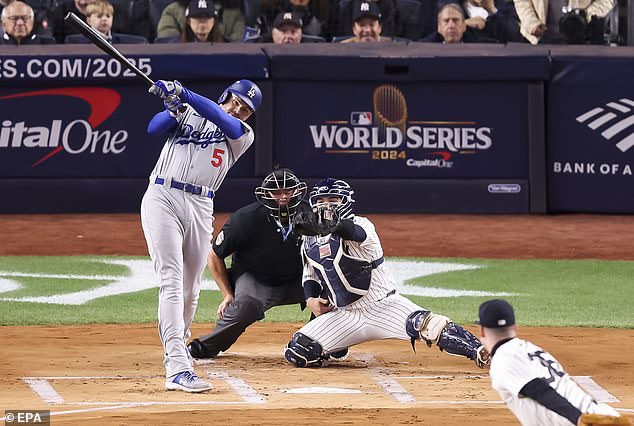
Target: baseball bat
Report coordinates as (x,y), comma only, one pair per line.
(99,41)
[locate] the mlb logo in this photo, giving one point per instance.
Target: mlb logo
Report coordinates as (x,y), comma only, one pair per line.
(361,118)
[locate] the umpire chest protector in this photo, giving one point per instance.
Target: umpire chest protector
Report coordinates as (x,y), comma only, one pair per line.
(347,278)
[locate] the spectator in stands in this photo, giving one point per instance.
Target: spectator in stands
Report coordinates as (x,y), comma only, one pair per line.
(287,29)
(62,28)
(41,10)
(390,19)
(313,13)
(452,28)
(539,19)
(229,20)
(495,19)
(99,15)
(3,3)
(18,20)
(201,23)
(367,24)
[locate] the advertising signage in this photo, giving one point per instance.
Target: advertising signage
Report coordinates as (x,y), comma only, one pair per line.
(405,130)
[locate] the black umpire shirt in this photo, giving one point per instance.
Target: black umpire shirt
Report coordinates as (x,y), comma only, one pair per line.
(256,241)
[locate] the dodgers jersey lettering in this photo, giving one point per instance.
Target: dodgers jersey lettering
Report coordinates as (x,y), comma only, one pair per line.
(517,362)
(199,152)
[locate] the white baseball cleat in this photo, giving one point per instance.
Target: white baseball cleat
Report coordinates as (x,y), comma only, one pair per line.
(187,381)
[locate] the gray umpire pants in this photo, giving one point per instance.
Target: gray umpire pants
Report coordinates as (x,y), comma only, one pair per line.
(252,300)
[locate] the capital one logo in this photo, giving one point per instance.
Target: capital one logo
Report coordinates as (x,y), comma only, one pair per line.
(74,137)
(614,121)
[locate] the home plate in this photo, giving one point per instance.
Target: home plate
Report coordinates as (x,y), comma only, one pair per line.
(317,389)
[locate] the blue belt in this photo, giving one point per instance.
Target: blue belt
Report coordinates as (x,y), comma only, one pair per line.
(187,187)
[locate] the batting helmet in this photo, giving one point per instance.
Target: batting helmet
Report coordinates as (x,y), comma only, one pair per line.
(331,187)
(246,90)
(281,179)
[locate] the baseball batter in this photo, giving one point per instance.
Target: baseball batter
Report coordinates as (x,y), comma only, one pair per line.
(204,139)
(351,291)
(530,381)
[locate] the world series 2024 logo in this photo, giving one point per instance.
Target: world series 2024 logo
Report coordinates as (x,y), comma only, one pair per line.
(74,137)
(387,133)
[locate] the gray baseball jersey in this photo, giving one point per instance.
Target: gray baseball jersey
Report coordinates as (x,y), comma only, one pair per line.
(177,216)
(199,152)
(517,362)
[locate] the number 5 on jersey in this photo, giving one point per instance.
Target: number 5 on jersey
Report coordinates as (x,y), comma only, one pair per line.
(216,157)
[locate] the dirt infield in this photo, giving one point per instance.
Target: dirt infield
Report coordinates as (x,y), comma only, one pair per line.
(110,374)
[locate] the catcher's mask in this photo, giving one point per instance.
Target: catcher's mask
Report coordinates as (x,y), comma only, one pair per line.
(331,187)
(281,192)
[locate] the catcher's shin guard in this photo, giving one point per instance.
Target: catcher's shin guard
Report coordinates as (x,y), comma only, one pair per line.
(302,351)
(447,335)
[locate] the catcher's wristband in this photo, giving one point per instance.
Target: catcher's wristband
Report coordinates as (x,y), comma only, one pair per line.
(311,289)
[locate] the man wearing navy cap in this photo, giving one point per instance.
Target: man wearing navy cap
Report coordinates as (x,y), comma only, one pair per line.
(530,381)
(287,28)
(367,24)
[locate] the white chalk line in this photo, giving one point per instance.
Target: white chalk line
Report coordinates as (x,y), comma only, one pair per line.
(389,384)
(249,395)
(446,376)
(242,388)
(120,405)
(44,390)
(594,389)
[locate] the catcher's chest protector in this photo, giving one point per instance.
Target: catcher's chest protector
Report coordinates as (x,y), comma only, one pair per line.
(347,278)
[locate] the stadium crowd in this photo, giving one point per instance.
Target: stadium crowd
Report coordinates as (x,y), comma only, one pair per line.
(302,21)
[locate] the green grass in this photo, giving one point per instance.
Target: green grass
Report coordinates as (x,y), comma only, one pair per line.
(586,293)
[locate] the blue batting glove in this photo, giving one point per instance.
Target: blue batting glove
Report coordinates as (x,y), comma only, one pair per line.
(164,88)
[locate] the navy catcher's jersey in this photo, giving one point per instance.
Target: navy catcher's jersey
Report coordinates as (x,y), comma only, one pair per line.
(260,246)
(517,362)
(343,269)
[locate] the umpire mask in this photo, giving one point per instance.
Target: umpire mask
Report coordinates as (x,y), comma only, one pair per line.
(281,192)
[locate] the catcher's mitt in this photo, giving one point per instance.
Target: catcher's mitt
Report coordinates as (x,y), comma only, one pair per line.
(603,420)
(322,221)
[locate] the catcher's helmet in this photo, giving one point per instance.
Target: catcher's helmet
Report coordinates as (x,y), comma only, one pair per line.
(281,179)
(246,90)
(331,187)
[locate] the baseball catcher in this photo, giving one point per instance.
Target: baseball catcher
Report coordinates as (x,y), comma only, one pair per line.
(352,293)
(323,221)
